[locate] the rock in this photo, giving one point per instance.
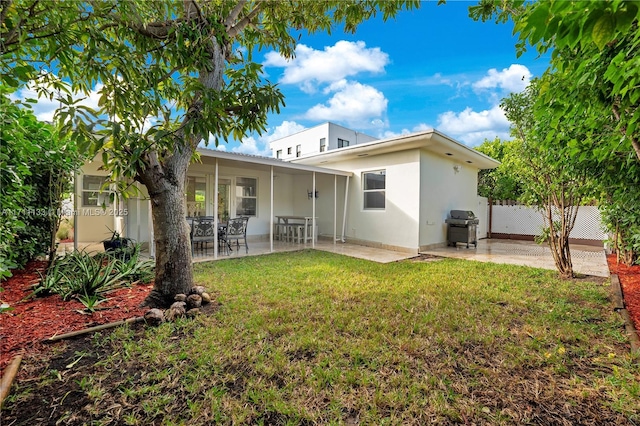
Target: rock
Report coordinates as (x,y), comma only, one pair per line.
(179,306)
(180,297)
(206,297)
(194,301)
(192,313)
(154,317)
(198,290)
(172,313)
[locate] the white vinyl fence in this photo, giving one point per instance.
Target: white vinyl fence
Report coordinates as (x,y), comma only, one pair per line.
(509,221)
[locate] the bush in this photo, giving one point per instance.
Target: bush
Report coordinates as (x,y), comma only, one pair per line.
(36,172)
(65,231)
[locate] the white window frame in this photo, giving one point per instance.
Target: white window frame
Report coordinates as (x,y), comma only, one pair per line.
(381,190)
(279,154)
(237,197)
(101,196)
(323,144)
(298,150)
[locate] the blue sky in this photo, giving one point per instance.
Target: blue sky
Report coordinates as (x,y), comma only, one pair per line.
(429,68)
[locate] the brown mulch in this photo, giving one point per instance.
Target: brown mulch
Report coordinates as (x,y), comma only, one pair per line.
(31,319)
(630,283)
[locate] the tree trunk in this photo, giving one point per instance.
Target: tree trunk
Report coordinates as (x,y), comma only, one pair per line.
(166,184)
(165,174)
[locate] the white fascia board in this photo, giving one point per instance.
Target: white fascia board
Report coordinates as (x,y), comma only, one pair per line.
(430,140)
(266,161)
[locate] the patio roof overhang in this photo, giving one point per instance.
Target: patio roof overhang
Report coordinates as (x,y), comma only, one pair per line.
(430,140)
(265,163)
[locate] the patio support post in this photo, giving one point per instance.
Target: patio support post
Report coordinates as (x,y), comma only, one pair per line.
(335,208)
(215,211)
(313,214)
(271,214)
(344,216)
(137,213)
(75,211)
(152,237)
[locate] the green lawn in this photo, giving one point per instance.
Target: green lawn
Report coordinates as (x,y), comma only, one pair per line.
(317,338)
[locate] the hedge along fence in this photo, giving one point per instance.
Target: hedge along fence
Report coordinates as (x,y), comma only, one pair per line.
(36,171)
(520,222)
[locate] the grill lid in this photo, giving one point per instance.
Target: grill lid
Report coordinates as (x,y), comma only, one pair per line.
(462,217)
(462,214)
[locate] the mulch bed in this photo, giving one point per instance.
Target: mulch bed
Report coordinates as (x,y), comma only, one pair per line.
(630,283)
(31,320)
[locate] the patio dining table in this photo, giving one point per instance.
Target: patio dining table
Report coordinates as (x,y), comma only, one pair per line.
(286,224)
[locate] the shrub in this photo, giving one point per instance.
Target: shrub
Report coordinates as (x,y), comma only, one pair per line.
(82,276)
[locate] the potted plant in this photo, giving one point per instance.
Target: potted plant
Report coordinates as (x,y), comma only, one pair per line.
(118,245)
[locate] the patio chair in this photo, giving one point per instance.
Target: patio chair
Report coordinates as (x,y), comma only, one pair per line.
(202,233)
(236,230)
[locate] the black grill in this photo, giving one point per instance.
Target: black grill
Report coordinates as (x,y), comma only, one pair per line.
(462,228)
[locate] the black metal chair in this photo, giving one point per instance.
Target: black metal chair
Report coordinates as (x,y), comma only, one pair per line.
(236,230)
(202,233)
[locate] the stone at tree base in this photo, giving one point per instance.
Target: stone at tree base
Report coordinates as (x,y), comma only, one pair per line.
(192,313)
(173,313)
(206,298)
(180,297)
(194,301)
(179,305)
(154,316)
(198,290)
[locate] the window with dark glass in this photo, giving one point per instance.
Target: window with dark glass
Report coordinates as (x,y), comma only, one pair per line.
(279,153)
(246,196)
(298,150)
(289,151)
(374,186)
(342,143)
(323,144)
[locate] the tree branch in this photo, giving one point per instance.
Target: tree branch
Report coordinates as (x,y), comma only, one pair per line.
(244,22)
(634,142)
(234,14)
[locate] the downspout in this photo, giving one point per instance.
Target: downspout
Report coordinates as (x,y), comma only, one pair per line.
(344,216)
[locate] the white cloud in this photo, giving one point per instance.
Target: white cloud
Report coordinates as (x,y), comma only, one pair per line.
(259,145)
(422,127)
(311,67)
(473,127)
(357,104)
(513,79)
(46,105)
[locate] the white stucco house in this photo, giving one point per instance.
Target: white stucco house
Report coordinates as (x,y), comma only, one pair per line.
(391,193)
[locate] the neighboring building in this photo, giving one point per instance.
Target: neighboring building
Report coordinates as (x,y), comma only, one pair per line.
(394,193)
(318,139)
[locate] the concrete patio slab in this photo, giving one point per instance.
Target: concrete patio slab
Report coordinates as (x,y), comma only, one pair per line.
(587,260)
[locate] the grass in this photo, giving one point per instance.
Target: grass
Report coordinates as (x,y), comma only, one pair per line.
(316,338)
